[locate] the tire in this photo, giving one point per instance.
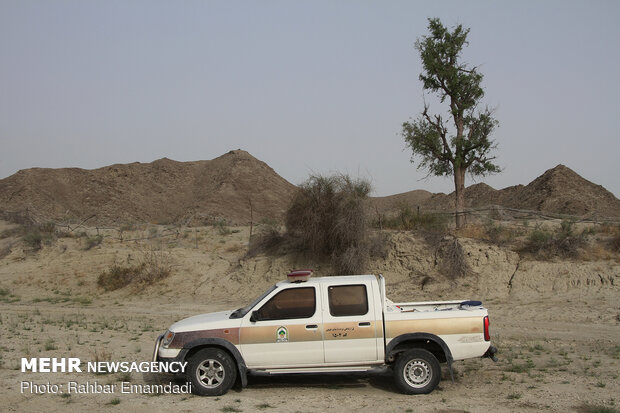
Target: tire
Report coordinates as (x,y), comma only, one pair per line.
(417,372)
(212,372)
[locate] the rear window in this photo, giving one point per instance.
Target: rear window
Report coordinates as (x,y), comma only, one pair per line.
(348,300)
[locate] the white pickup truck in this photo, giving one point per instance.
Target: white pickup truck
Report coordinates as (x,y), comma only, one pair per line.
(328,324)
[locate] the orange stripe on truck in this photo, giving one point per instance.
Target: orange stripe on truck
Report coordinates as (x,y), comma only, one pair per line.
(437,326)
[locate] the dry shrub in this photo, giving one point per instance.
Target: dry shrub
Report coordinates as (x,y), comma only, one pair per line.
(433,238)
(91,242)
(63,233)
(101,355)
(118,277)
(609,228)
(353,260)
(234,248)
(378,246)
(266,241)
(47,227)
(157,265)
(33,238)
(453,261)
(327,217)
(497,234)
(614,243)
(596,251)
(33,235)
(4,251)
(153,266)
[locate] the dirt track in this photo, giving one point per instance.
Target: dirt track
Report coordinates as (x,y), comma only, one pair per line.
(571,363)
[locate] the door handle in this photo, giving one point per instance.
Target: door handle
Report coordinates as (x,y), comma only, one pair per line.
(312,327)
(364,324)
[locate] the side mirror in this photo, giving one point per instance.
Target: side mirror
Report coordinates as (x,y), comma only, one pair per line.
(254,317)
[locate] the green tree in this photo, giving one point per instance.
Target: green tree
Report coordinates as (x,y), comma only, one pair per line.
(462,145)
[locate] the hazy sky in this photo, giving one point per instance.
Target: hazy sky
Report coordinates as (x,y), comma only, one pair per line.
(306,86)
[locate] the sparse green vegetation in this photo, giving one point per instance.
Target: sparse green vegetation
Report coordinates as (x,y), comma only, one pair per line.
(114,401)
(537,348)
(33,239)
(82,300)
(230,409)
(7,297)
(563,243)
(91,242)
(521,368)
(499,234)
(408,219)
(223,229)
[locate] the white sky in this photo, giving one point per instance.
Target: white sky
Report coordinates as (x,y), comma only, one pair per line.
(306,86)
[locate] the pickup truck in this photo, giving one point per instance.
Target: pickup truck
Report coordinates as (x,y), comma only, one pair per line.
(325,325)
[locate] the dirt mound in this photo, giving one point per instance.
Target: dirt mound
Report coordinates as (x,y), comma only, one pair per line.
(389,203)
(559,190)
(161,191)
(475,196)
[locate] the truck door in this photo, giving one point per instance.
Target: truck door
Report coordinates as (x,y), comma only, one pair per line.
(349,323)
(286,331)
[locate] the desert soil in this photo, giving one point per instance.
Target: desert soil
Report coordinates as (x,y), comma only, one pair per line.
(556,324)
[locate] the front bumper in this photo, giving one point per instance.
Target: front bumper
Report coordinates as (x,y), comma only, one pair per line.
(166,354)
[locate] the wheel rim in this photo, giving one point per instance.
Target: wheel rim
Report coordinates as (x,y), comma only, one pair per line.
(210,373)
(417,373)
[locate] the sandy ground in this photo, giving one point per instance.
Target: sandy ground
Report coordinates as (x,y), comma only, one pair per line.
(559,342)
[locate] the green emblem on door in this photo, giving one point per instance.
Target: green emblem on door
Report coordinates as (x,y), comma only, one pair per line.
(281,335)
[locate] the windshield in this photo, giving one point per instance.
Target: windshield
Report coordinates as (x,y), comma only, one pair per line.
(240,312)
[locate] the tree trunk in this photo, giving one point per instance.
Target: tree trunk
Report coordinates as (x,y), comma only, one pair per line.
(459,187)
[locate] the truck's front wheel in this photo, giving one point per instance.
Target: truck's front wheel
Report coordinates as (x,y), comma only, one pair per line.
(417,372)
(212,372)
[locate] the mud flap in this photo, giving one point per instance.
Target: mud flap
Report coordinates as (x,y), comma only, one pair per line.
(491,353)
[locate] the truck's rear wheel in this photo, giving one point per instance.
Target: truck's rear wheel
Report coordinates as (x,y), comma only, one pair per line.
(417,372)
(212,372)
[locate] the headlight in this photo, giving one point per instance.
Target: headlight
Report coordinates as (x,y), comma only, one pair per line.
(168,337)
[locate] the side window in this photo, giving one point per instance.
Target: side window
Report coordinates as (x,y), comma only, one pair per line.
(290,303)
(348,300)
